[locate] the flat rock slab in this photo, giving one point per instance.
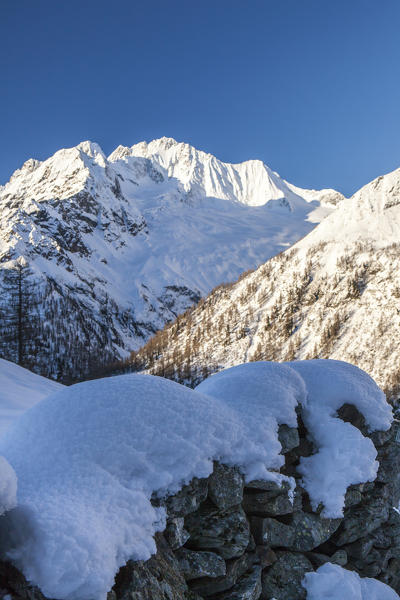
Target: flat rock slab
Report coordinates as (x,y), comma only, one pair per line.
(306,532)
(194,564)
(234,570)
(186,501)
(227,532)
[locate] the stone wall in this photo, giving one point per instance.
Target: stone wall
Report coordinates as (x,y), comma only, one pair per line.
(230,540)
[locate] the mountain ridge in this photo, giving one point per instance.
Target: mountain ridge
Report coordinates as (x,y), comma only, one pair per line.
(119,246)
(334,294)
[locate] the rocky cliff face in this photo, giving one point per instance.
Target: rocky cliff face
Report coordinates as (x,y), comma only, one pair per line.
(335,294)
(227,539)
(118,246)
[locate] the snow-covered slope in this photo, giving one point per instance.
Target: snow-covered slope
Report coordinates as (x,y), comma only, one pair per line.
(119,246)
(19,390)
(335,294)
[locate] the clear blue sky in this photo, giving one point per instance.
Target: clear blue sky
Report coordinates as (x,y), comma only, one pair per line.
(309,86)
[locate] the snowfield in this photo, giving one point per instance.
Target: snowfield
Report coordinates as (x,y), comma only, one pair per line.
(89,457)
(19,390)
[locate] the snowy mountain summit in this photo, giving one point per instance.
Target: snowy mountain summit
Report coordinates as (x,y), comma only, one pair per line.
(116,247)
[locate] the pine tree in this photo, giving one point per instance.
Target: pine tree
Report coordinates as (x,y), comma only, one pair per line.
(19,315)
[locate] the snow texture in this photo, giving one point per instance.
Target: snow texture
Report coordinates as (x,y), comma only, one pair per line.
(19,390)
(332,582)
(264,395)
(344,455)
(324,387)
(89,458)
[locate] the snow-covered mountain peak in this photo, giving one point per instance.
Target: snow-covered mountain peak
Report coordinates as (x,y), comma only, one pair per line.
(93,150)
(127,242)
(251,183)
(119,152)
(29,165)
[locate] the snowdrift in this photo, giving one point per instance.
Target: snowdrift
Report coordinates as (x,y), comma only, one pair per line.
(89,458)
(20,389)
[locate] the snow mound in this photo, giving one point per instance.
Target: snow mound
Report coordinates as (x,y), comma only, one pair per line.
(331,582)
(264,395)
(89,458)
(344,455)
(19,390)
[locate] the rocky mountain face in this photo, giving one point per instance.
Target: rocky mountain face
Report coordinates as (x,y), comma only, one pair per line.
(334,294)
(97,253)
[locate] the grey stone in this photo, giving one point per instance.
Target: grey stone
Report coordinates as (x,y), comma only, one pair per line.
(283,580)
(261,504)
(288,437)
(392,575)
(226,532)
(225,486)
(252,544)
(361,548)
(247,588)
(265,556)
(389,469)
(339,558)
(194,564)
(350,414)
(14,584)
(271,532)
(311,530)
(186,501)
(352,498)
(234,570)
(380,438)
(371,570)
(381,539)
(273,487)
(318,559)
(175,533)
(307,531)
(159,578)
(362,520)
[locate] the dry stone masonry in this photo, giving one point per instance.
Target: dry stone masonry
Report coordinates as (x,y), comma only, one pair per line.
(227,539)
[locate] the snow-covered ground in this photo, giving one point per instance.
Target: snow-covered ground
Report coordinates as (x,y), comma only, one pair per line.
(19,390)
(89,457)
